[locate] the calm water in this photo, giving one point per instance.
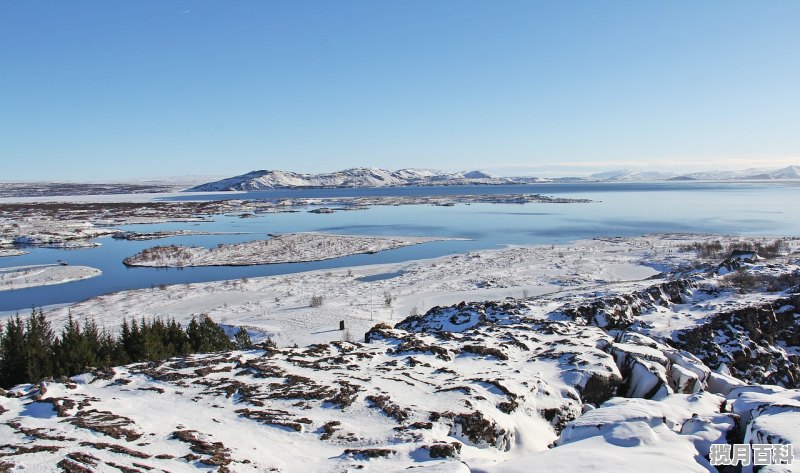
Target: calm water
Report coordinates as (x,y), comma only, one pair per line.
(618,210)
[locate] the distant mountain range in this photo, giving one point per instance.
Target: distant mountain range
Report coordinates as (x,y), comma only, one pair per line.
(789,172)
(374,177)
(356,177)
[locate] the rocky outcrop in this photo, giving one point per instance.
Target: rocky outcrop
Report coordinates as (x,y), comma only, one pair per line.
(619,311)
(463,316)
(750,341)
(651,369)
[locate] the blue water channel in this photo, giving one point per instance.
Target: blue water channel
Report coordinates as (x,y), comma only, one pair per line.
(619,209)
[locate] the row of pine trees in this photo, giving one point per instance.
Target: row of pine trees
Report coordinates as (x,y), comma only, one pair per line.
(31,351)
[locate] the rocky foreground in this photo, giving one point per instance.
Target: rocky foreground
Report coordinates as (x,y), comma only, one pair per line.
(630,377)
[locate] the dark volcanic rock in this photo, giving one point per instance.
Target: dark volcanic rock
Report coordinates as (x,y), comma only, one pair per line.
(619,311)
(599,388)
(443,450)
(476,429)
(748,340)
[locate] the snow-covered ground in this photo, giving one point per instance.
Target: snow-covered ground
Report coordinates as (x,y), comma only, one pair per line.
(286,248)
(584,358)
(279,306)
(100,198)
(51,234)
(584,374)
(19,277)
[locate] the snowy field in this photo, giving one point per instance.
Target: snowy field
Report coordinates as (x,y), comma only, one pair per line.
(19,277)
(280,307)
(606,355)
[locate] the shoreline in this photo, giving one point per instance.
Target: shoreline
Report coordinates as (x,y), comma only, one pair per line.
(279,307)
(54,222)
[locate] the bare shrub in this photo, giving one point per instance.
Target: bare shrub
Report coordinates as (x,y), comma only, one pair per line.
(717,249)
(316,301)
(742,281)
(745,282)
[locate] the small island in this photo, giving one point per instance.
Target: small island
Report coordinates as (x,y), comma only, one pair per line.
(288,248)
(21,277)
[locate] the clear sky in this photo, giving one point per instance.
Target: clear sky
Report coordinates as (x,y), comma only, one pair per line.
(102,89)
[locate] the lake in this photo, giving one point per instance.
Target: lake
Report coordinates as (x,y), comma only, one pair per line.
(618,209)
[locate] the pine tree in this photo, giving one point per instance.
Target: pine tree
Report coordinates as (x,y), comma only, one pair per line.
(242,340)
(207,335)
(110,351)
(29,351)
(73,351)
(177,341)
(91,335)
(39,341)
(13,368)
(193,335)
(132,341)
(153,338)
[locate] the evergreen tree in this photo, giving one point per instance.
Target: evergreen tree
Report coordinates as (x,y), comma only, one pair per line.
(132,341)
(110,352)
(91,335)
(73,351)
(29,351)
(153,337)
(13,366)
(207,335)
(39,341)
(176,340)
(242,340)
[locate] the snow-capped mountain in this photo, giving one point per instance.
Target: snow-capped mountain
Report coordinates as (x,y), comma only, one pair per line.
(355,177)
(627,175)
(789,172)
(376,177)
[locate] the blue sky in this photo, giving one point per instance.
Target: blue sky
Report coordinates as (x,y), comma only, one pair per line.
(109,90)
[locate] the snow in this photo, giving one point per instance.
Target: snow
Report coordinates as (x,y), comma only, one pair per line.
(631,435)
(293,388)
(39,410)
(286,248)
(510,380)
(770,415)
(278,306)
(355,177)
(49,234)
(100,198)
(785,173)
(19,277)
